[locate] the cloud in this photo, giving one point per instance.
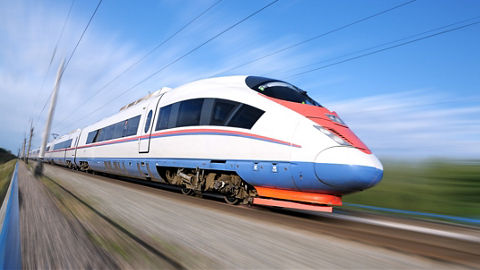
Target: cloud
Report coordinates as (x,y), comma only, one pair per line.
(414,124)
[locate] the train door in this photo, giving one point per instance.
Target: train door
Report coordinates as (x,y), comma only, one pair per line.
(73,149)
(146,127)
(64,158)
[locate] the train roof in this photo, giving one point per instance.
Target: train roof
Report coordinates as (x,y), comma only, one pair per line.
(154,94)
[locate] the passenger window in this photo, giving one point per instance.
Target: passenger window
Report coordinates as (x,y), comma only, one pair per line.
(147,122)
(124,128)
(189,112)
(221,111)
(108,132)
(91,136)
(132,125)
(99,136)
(162,122)
(63,145)
(245,117)
(118,130)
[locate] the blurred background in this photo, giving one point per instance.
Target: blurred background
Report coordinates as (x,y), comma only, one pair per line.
(404,75)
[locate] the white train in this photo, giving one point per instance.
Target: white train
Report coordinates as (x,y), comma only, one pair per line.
(247,137)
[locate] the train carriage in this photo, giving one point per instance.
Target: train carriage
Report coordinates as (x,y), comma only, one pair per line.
(62,150)
(245,137)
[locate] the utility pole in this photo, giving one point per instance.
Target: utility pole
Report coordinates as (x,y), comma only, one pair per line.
(46,132)
(29,141)
(23,146)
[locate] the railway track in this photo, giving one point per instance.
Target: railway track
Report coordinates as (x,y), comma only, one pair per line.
(165,257)
(445,248)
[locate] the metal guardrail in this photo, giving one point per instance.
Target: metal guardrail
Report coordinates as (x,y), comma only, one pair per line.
(10,252)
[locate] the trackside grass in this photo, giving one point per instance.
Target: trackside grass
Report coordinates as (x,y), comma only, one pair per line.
(6,170)
(440,187)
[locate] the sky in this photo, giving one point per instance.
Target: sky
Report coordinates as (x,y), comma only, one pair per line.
(421,100)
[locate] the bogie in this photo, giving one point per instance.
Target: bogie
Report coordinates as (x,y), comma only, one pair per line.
(198,181)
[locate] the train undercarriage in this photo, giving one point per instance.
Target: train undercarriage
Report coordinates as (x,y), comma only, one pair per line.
(234,190)
(197,181)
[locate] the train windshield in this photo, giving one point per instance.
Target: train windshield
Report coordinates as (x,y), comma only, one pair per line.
(278,89)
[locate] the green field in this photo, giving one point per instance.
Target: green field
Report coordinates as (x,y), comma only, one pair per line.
(441,187)
(6,170)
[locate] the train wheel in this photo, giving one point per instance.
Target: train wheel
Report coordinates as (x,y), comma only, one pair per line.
(169,175)
(231,200)
(187,191)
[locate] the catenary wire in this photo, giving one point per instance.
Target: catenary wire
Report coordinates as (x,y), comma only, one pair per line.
(384,49)
(374,47)
(314,38)
(76,46)
(98,91)
(183,56)
(52,57)
(158,46)
(81,36)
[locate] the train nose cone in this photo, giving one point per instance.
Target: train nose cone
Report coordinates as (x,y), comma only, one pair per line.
(347,169)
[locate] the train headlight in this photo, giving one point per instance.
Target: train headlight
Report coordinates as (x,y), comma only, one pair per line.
(335,119)
(332,136)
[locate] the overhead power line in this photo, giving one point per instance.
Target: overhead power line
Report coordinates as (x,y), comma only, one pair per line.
(157,47)
(315,37)
(375,47)
(387,48)
(75,48)
(98,91)
(185,55)
(81,36)
(53,56)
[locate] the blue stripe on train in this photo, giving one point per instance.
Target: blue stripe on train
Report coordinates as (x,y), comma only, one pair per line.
(301,176)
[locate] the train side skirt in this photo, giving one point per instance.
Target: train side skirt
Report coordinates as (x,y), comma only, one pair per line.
(296,200)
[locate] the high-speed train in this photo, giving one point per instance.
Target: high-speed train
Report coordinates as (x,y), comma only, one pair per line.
(252,139)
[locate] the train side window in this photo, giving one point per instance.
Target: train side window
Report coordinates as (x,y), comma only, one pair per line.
(118,130)
(132,125)
(163,117)
(147,122)
(206,114)
(172,120)
(124,128)
(221,111)
(63,145)
(189,112)
(108,132)
(99,136)
(245,117)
